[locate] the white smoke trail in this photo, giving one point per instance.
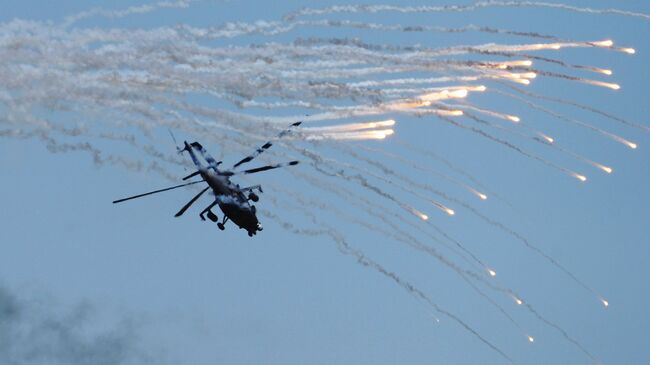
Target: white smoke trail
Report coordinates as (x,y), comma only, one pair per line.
(458,8)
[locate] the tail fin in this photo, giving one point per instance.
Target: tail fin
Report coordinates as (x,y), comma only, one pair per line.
(188,148)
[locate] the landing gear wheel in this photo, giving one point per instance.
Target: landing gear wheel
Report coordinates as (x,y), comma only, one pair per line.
(250,234)
(213,217)
(221,226)
(253,197)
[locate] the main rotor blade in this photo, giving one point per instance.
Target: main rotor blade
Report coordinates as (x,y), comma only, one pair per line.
(259,169)
(265,146)
(184,208)
(191,175)
(156,191)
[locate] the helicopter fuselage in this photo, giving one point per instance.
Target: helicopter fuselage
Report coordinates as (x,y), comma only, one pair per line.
(232,201)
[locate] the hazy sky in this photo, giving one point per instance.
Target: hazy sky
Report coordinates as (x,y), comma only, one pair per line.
(101,283)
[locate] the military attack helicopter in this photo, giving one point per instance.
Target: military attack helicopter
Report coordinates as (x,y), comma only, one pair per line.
(232,199)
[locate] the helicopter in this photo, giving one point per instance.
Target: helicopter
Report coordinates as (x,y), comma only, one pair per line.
(233,200)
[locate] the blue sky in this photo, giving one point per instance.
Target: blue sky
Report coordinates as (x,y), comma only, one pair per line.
(198,295)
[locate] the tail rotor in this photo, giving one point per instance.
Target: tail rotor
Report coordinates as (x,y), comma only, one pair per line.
(179,150)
